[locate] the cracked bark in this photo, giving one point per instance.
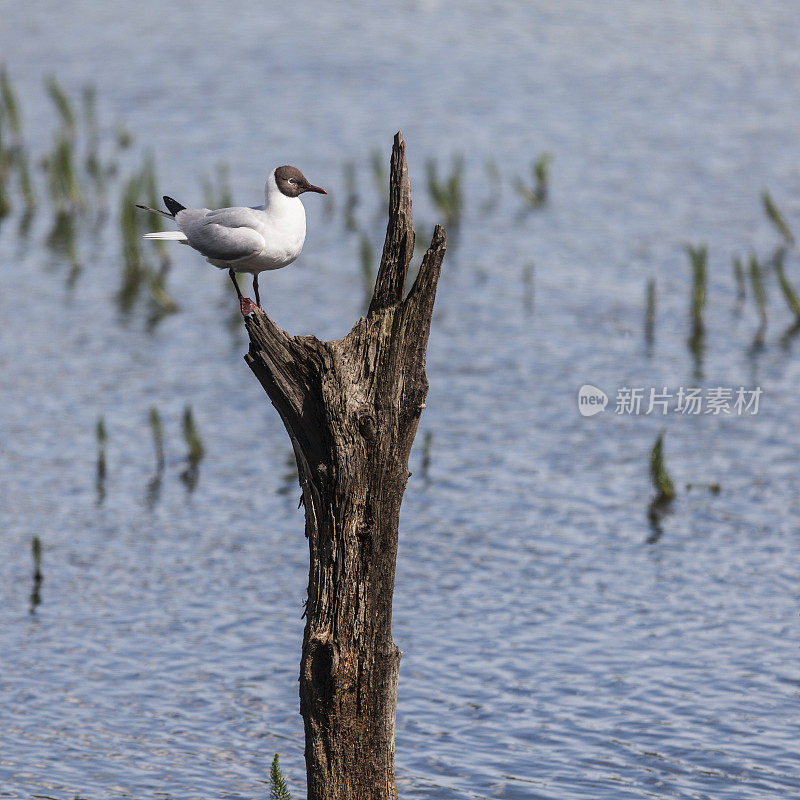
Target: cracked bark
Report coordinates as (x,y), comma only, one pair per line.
(351,409)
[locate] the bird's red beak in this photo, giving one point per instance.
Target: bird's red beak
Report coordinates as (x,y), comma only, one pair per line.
(316,189)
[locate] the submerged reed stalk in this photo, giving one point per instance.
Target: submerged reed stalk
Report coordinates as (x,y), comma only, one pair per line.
(36,552)
(427,449)
(100,481)
(760,299)
(529,293)
(158,437)
(650,313)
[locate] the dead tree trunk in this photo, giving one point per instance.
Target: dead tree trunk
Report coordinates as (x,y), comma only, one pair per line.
(351,409)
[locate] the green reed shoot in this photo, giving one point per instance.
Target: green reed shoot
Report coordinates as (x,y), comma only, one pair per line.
(367,258)
(192,438)
(149,190)
(698,257)
(776,218)
(350,196)
(789,294)
(447,194)
(495,182)
(62,178)
(217,187)
(63,105)
(278,790)
(660,477)
(62,240)
(650,312)
(380,175)
(10,105)
(5,169)
(196,451)
(760,298)
(538,195)
(92,161)
(741,283)
(135,270)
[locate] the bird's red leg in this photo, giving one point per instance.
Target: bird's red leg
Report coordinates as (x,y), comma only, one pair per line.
(255,289)
(245,303)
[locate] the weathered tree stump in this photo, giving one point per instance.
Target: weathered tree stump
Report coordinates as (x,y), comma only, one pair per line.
(351,409)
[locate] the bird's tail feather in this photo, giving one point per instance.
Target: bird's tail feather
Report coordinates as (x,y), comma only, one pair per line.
(175,236)
(155,211)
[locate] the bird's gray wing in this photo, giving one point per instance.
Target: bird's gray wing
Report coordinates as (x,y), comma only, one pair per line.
(224,235)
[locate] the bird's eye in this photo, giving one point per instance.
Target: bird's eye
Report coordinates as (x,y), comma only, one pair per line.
(293,181)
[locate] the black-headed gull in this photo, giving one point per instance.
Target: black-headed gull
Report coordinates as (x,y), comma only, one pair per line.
(242,239)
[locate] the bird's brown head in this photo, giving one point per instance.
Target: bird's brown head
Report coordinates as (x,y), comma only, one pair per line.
(293,183)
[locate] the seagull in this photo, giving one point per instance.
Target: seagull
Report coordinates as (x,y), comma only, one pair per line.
(246,239)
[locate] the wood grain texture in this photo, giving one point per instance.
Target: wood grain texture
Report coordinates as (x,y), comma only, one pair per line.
(351,408)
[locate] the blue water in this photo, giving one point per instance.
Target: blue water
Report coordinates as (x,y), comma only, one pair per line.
(556,644)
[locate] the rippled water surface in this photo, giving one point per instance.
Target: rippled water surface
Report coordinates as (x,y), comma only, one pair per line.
(556,644)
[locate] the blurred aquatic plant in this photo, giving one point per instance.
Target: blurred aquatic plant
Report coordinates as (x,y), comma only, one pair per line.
(134,268)
(698,259)
(495,183)
(157,429)
(538,195)
(776,218)
(100,480)
(664,488)
(10,107)
(741,283)
(63,105)
(760,299)
(662,482)
(350,196)
(36,552)
(154,484)
(124,137)
(367,258)
(427,451)
(788,291)
(529,289)
(650,314)
(98,173)
(217,187)
(196,451)
(447,194)
(380,176)
(137,272)
(278,790)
